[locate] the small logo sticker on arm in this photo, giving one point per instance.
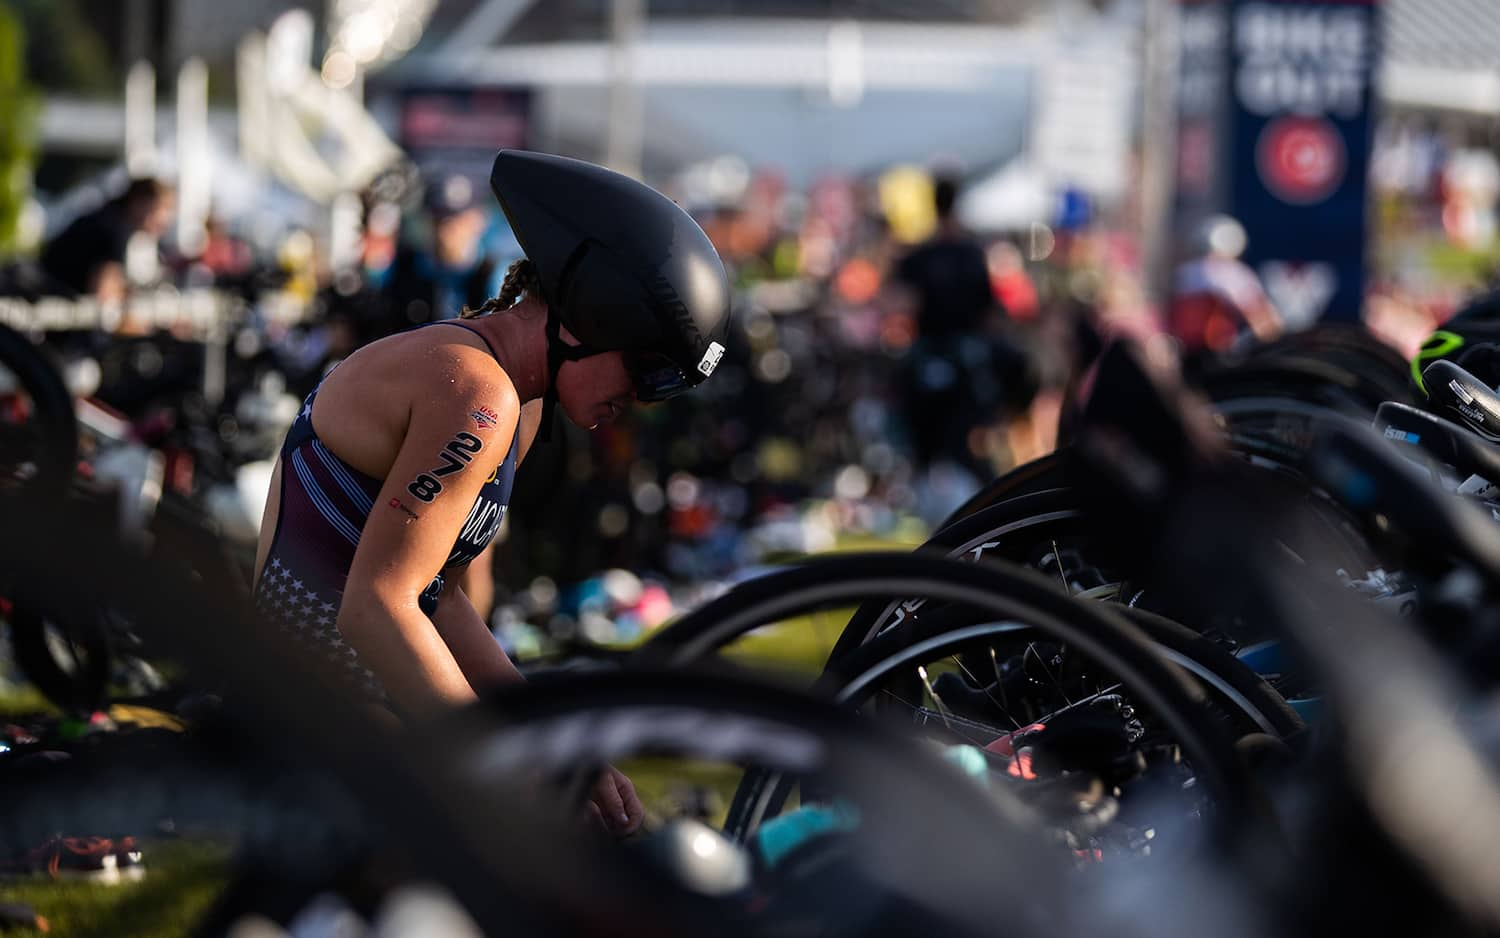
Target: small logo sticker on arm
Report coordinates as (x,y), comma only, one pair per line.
(485,417)
(711,358)
(410,515)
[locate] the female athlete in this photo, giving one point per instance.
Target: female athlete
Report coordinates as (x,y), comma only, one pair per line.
(397,472)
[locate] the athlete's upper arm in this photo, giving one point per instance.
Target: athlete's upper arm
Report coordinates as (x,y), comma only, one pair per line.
(461,425)
(531,422)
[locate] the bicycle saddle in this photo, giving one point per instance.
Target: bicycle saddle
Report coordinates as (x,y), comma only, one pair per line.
(1458,391)
(1443,439)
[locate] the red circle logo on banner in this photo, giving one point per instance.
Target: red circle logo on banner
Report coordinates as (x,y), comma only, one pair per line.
(1301,159)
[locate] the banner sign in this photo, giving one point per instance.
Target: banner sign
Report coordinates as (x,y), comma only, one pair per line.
(458,131)
(1278,135)
(1301,125)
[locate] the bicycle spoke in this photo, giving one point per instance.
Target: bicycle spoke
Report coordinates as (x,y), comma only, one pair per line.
(1031,650)
(1000,683)
(970,730)
(932,691)
(1057,559)
(970,675)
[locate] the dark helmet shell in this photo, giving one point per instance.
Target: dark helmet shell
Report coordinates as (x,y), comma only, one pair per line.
(623,266)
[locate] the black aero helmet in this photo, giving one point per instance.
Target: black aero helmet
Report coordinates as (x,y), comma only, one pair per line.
(621,265)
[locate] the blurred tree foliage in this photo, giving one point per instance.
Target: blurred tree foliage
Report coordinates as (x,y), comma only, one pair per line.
(18,111)
(65,49)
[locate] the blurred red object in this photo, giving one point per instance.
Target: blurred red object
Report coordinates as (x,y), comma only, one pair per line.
(858,281)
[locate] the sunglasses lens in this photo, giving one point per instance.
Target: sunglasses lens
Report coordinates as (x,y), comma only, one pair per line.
(656,378)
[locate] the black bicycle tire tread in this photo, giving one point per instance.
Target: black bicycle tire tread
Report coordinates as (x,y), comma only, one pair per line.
(54,407)
(81,693)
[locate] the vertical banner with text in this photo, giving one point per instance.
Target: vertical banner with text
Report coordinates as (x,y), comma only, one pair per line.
(1297,148)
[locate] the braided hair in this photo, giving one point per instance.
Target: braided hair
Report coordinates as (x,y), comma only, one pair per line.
(520,278)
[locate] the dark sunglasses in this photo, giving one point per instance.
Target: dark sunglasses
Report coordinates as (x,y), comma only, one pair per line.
(655,376)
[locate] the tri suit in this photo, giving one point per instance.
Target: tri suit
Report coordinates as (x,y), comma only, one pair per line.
(324,504)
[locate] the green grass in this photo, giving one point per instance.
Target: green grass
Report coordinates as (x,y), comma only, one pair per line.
(796,647)
(183,877)
(662,784)
(801,645)
(23,700)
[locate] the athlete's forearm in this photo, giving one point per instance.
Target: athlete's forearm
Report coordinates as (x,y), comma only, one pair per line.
(397,642)
(478,655)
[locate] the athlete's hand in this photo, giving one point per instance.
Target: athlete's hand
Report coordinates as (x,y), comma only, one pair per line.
(614,803)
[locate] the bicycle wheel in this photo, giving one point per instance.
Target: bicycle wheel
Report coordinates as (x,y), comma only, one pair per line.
(1299,378)
(1051,532)
(1045,472)
(1243,702)
(1013,529)
(1000,591)
(1276,429)
(67,660)
(1353,348)
(925,833)
(38,429)
(38,453)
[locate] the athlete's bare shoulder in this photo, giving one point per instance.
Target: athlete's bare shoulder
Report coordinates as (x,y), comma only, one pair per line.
(427,359)
(364,407)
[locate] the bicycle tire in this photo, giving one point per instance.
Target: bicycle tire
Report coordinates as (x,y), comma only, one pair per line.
(1040,474)
(80,690)
(1021,521)
(1261,708)
(562,724)
(1352,347)
(1299,378)
(1286,441)
(56,432)
(990,524)
(1002,591)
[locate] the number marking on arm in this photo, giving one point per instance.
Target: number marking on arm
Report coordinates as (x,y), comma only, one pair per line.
(456,454)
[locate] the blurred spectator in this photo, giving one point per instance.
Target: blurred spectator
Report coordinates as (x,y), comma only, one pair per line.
(948,275)
(379,240)
(355,307)
(1217,297)
(454,272)
(89,256)
(952,382)
(225,256)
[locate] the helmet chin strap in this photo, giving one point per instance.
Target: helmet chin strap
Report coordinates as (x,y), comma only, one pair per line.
(558,352)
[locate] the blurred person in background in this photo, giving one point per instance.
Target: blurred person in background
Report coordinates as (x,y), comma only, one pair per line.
(88,257)
(354,308)
(453,272)
(952,383)
(1216,298)
(398,472)
(225,256)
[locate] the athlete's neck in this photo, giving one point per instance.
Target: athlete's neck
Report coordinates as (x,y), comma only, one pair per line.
(519,336)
